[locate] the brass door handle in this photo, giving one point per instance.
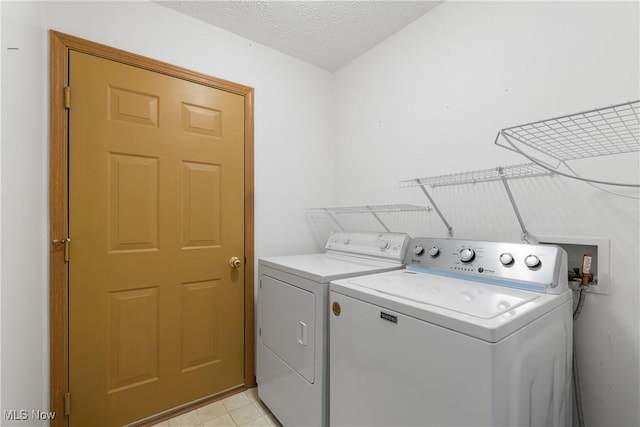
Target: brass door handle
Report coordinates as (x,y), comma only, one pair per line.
(234,262)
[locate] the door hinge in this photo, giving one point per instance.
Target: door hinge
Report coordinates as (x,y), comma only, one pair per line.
(67,250)
(67,403)
(259,332)
(66,242)
(67,97)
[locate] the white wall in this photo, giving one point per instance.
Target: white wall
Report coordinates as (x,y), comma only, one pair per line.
(1,56)
(293,101)
(24,216)
(430,101)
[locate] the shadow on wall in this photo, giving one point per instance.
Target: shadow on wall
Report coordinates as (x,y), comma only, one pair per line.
(548,205)
(410,219)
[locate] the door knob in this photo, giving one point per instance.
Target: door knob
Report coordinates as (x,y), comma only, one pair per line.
(234,262)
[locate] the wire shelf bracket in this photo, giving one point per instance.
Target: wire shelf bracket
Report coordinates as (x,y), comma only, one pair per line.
(554,142)
(525,234)
(438,211)
(472,177)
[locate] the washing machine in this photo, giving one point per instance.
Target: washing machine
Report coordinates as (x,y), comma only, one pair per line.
(291,356)
(470,333)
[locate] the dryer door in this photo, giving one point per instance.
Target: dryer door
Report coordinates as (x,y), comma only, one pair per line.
(287,324)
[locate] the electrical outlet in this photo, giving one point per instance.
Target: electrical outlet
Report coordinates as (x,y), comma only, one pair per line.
(576,247)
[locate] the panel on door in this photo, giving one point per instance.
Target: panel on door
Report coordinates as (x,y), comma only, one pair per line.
(287,324)
(156,209)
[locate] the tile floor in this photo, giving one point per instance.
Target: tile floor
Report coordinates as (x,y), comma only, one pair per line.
(242,409)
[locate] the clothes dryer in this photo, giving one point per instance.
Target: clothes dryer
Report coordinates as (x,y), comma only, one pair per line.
(470,333)
(292,319)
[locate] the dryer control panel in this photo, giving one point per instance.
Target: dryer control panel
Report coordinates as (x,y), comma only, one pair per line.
(389,246)
(542,268)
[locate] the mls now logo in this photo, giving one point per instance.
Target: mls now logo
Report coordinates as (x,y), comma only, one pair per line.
(23,414)
(15,414)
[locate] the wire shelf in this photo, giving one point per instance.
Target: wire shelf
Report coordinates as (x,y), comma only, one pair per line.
(477,176)
(600,132)
(381,214)
(369,209)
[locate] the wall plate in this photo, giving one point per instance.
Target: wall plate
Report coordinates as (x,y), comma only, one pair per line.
(576,247)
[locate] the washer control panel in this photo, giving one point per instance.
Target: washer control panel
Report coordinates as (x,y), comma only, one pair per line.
(391,246)
(539,267)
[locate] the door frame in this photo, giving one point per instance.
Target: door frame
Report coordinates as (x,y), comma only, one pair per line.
(59,46)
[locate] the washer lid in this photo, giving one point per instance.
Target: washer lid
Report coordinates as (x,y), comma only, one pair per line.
(488,312)
(462,296)
(325,267)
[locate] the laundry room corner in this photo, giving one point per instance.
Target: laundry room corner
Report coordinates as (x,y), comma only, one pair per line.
(446,85)
(428,102)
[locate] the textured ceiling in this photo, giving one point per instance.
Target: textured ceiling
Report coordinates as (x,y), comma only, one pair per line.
(329,34)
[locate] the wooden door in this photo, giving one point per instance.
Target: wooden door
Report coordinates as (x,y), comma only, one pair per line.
(156,192)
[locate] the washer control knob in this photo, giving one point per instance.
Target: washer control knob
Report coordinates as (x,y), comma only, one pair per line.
(532,261)
(506,258)
(383,244)
(418,250)
(434,251)
(467,255)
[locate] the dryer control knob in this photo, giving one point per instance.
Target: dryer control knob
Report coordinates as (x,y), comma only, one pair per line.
(467,255)
(532,261)
(506,258)
(418,250)
(383,244)
(434,251)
